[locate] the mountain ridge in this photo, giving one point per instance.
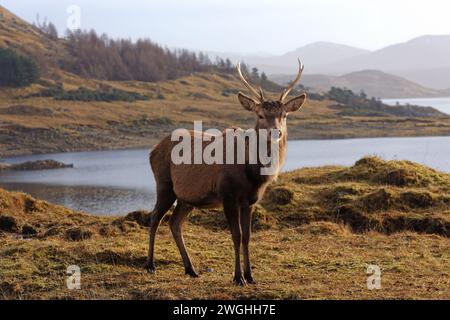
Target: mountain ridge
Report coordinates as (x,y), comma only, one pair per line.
(374,83)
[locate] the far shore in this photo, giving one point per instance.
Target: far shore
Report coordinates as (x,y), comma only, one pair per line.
(21,153)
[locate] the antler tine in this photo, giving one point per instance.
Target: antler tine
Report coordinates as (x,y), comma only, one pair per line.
(292,85)
(259,95)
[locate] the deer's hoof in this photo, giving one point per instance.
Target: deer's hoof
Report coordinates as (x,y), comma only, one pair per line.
(239,281)
(150,267)
(250,280)
(191,272)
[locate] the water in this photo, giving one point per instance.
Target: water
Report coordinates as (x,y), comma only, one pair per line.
(118,182)
(441,104)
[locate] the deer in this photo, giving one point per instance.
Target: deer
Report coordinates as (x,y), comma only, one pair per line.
(236,188)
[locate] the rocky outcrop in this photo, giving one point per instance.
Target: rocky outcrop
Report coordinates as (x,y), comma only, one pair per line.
(36,165)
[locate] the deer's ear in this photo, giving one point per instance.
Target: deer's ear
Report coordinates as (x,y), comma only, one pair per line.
(247,102)
(295,103)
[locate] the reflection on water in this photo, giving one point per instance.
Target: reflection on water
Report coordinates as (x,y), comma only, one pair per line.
(118,182)
(98,200)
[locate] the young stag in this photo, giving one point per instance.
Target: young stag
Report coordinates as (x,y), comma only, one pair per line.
(235,187)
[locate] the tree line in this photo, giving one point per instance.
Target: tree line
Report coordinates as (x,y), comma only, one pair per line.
(101,57)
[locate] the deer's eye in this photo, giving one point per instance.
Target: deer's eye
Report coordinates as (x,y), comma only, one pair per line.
(260,117)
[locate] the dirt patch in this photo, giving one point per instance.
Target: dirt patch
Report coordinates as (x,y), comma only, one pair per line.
(382,199)
(280,196)
(9,224)
(78,234)
(417,199)
(140,217)
(357,220)
(400,178)
(262,220)
(324,228)
(127,258)
(25,110)
(8,289)
(416,224)
(29,231)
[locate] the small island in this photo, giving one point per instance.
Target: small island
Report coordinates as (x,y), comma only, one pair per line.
(35,165)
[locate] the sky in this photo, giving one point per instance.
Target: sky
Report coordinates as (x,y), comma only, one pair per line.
(249,26)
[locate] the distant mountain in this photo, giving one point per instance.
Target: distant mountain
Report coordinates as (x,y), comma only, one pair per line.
(438,78)
(425,60)
(374,83)
(312,55)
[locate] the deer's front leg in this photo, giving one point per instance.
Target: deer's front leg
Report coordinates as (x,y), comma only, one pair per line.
(232,213)
(246,224)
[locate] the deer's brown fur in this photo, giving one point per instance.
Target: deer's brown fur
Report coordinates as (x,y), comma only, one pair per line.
(235,187)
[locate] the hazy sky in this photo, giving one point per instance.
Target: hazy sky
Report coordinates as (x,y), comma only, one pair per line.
(250,25)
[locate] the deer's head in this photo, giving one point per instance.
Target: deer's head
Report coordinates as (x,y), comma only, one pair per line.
(271,114)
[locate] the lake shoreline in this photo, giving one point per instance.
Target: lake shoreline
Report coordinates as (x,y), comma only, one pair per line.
(122,181)
(4,157)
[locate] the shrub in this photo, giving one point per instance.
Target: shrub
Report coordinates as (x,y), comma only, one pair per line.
(17,70)
(87,95)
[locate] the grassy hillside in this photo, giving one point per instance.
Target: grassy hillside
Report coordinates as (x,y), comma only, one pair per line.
(316,232)
(17,34)
(373,82)
(30,124)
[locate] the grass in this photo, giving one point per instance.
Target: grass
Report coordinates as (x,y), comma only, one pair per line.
(303,247)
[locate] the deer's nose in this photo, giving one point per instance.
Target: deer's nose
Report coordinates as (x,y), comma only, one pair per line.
(280,133)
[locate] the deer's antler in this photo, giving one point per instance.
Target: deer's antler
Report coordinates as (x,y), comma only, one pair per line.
(257,94)
(286,91)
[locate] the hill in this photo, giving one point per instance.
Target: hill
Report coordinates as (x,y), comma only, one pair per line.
(25,38)
(313,55)
(424,60)
(32,123)
(315,234)
(373,82)
(67,112)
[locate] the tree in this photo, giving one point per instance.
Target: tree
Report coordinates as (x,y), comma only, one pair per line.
(48,28)
(17,70)
(255,75)
(52,32)
(264,77)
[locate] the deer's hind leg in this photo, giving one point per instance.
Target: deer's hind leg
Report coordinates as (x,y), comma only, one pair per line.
(165,199)
(176,223)
(246,225)
(232,213)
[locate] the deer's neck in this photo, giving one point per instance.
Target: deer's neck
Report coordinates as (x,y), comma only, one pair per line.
(255,171)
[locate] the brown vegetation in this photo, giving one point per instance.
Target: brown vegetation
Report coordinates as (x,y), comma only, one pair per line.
(317,245)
